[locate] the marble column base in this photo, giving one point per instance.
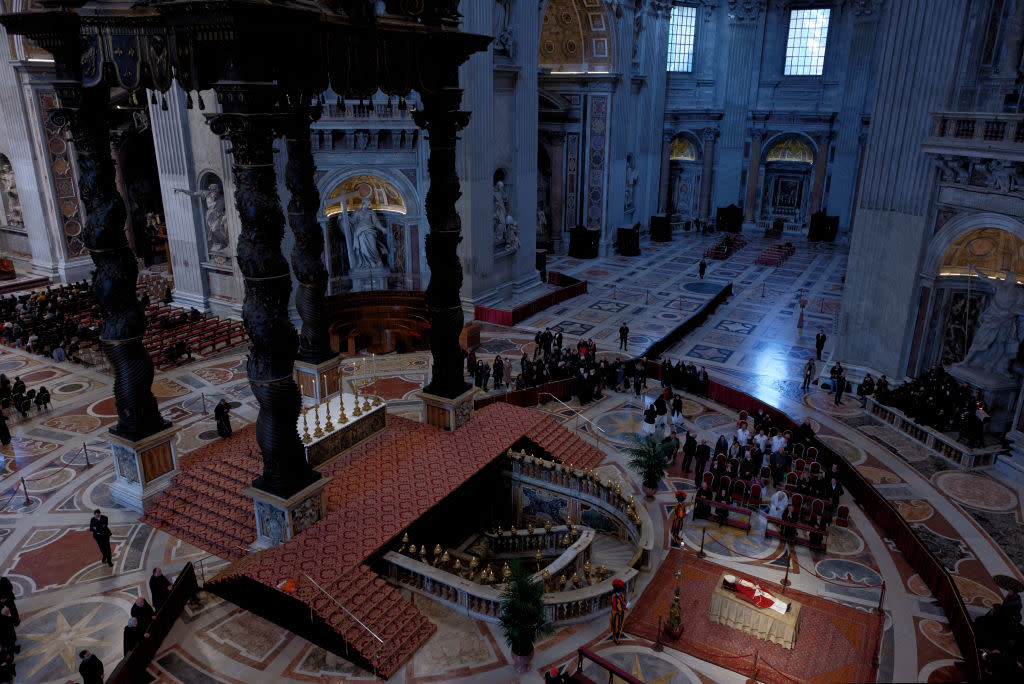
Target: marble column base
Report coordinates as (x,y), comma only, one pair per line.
(278,520)
(318,380)
(143,468)
(449,414)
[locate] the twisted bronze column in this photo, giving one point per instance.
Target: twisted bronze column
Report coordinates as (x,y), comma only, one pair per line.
(307,254)
(265,309)
(124,318)
(442,119)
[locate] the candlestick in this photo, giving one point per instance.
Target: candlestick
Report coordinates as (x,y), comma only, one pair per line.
(328,426)
(355,409)
(316,418)
(376,395)
(366,399)
(306,439)
(342,418)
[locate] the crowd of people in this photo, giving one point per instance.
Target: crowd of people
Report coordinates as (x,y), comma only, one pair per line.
(49,322)
(935,399)
(17,396)
(1000,634)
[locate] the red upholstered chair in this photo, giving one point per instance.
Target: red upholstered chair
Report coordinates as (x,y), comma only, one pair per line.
(812,453)
(739,493)
(798,450)
(818,507)
(815,468)
(725,483)
(709,478)
(791,481)
(734,465)
(843,516)
(766,475)
(754,500)
(799,465)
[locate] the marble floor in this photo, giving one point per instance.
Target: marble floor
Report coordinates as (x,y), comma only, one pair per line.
(68,601)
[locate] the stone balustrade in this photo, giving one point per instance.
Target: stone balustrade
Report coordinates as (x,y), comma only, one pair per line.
(976,134)
(483,601)
(587,487)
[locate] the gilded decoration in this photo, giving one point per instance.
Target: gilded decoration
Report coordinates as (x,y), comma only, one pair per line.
(791,150)
(991,251)
(383,195)
(681,149)
(576,37)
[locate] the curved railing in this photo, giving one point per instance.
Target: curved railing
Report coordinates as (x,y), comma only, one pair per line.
(874,505)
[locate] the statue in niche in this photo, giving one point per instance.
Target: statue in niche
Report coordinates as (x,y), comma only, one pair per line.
(954,169)
(11,203)
(504,34)
(366,236)
(632,176)
(506,230)
(214,213)
(998,334)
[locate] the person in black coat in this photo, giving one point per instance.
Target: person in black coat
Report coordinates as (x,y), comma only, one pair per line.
(221,414)
(100,528)
(703,454)
(159,588)
(5,433)
(689,450)
(833,490)
(789,516)
(133,634)
(8,636)
(7,670)
(144,612)
(91,668)
(7,598)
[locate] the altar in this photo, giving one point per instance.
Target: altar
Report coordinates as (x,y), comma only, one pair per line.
(765,623)
(357,425)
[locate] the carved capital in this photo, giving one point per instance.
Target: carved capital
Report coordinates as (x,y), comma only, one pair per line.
(865,8)
(748,11)
(756,135)
(709,134)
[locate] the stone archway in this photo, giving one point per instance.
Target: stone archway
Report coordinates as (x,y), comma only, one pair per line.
(787,166)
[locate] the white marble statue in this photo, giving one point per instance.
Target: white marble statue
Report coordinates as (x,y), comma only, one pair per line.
(11,204)
(506,229)
(214,214)
(632,176)
(999,329)
(366,235)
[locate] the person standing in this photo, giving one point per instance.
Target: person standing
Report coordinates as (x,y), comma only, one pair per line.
(623,337)
(100,528)
(809,369)
(5,433)
(819,341)
(144,612)
(220,413)
(507,373)
(133,634)
(689,450)
(840,387)
(703,455)
(159,588)
(619,608)
(91,667)
(499,371)
(702,267)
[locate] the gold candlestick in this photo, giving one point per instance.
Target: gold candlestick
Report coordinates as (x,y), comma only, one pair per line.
(376,396)
(356,412)
(328,426)
(366,398)
(342,418)
(306,439)
(316,419)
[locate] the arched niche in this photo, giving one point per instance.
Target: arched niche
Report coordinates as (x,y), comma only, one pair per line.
(956,281)
(392,201)
(787,169)
(685,157)
(577,36)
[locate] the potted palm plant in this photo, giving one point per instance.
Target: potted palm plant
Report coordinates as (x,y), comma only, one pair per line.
(522,615)
(649,457)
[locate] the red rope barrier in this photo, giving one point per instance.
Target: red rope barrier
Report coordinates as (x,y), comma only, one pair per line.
(13,494)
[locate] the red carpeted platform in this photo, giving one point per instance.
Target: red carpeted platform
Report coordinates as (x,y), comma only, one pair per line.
(377,490)
(836,643)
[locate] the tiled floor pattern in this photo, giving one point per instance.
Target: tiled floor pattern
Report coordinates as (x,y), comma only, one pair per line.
(750,342)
